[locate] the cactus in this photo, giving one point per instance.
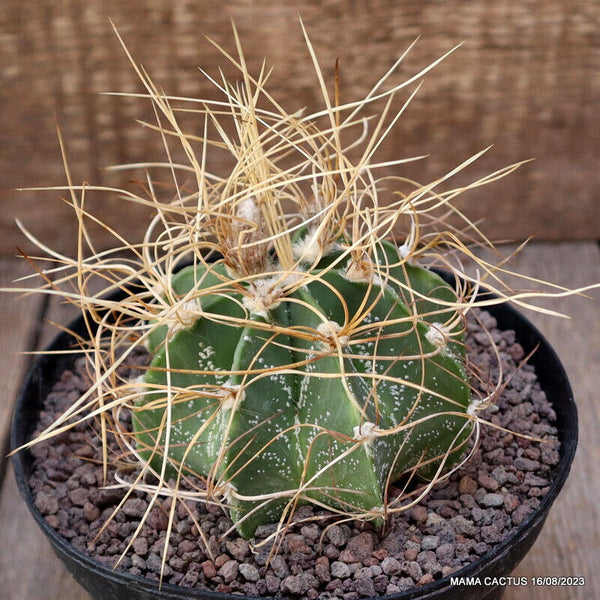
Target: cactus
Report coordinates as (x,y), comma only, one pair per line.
(301,356)
(336,388)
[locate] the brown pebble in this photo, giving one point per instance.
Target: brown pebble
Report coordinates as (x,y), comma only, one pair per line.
(140,546)
(229,571)
(322,573)
(419,514)
(91,512)
(381,553)
(238,548)
(487,481)
(135,507)
(347,557)
(411,554)
(272,583)
(158,519)
(209,570)
(511,501)
(296,544)
(46,503)
(186,546)
(322,560)
(221,560)
(467,485)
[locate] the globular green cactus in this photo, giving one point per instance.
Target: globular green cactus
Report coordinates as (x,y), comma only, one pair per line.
(344,380)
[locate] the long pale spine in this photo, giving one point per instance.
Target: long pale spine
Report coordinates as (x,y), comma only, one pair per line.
(287,409)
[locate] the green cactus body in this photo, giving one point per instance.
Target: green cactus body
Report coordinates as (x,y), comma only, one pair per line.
(270,411)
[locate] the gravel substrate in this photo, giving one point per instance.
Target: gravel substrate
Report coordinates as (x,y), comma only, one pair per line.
(461,519)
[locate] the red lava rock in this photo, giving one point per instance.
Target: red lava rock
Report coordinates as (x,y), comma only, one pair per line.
(391,566)
(280,566)
(249,572)
(90,511)
(492,500)
(381,553)
(535,480)
(338,535)
(296,544)
(521,513)
(52,520)
(526,464)
(365,587)
(467,485)
(46,503)
(158,519)
(322,560)
(209,569)
(311,532)
(221,560)
(186,546)
(322,573)
(229,570)
(238,548)
(299,584)
(340,570)
(511,501)
(487,481)
(419,513)
(135,507)
(272,583)
(411,554)
(140,546)
(347,557)
(412,569)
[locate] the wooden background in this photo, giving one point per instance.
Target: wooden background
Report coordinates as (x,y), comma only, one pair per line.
(527,79)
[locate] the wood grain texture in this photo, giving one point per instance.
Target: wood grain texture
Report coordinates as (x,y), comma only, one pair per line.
(19,321)
(527,79)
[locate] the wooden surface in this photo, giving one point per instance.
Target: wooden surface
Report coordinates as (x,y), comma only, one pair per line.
(527,79)
(568,546)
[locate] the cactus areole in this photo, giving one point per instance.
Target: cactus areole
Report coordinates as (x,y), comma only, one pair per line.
(321,385)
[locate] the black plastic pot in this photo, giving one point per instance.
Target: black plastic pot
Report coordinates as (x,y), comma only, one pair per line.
(103,583)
